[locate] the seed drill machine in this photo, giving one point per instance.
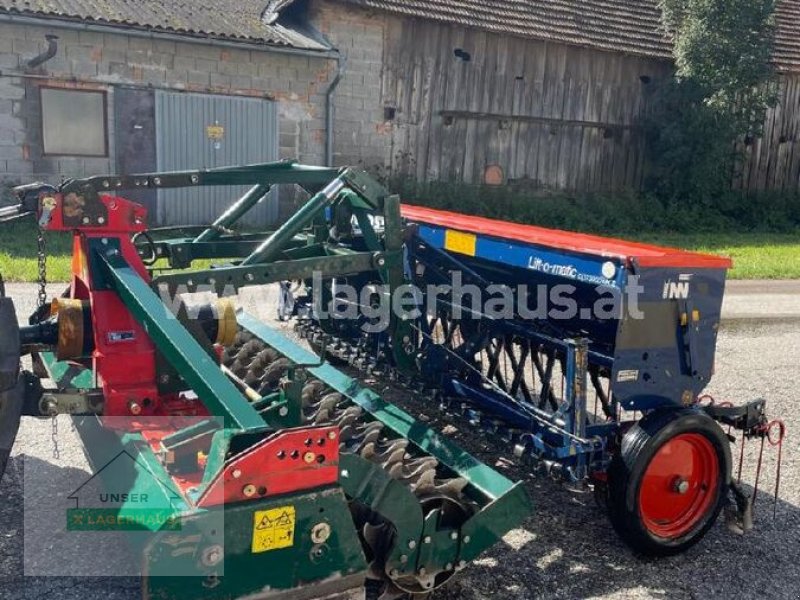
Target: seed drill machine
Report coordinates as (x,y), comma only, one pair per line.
(327,489)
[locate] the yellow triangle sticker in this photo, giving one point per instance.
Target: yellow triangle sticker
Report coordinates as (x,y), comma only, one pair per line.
(273,529)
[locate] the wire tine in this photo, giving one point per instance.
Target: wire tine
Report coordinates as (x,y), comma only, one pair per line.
(758,470)
(741,460)
(777,478)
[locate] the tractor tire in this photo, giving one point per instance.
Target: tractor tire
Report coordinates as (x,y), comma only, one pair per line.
(669,482)
(11,404)
(12,387)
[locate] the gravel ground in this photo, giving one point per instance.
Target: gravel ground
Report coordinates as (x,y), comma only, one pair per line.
(566,550)
(569,550)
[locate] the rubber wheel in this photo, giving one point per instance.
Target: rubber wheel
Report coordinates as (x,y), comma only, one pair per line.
(669,482)
(11,403)
(12,386)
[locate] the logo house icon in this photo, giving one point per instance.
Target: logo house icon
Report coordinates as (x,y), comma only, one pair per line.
(106,501)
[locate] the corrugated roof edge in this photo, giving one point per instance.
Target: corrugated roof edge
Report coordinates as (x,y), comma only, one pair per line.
(304,42)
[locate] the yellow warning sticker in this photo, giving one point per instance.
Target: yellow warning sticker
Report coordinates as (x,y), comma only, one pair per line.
(215,132)
(457,241)
(273,529)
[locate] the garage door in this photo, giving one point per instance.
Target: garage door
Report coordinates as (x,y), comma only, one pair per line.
(204,131)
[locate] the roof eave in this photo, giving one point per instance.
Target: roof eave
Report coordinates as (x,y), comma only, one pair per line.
(102,26)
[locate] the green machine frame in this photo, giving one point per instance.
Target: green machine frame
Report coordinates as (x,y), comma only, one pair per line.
(297,250)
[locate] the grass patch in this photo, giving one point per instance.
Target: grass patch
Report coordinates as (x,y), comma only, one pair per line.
(18,253)
(756,256)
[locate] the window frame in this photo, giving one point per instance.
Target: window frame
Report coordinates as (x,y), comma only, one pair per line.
(101,92)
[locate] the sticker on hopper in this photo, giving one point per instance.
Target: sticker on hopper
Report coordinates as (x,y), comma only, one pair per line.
(462,243)
(273,529)
(627,376)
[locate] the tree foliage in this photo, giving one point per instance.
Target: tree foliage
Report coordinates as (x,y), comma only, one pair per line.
(723,85)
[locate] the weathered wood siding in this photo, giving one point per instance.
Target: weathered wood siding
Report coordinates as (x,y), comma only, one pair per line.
(772,162)
(558,116)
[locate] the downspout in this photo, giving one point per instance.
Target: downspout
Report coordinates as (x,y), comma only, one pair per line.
(341,65)
(341,62)
(52,48)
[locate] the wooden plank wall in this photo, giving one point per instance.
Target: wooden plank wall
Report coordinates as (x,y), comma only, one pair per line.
(558,116)
(772,162)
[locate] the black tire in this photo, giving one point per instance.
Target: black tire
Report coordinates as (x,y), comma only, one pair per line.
(12,386)
(11,403)
(629,467)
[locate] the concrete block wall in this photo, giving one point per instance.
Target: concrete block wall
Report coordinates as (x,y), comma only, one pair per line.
(104,61)
(362,136)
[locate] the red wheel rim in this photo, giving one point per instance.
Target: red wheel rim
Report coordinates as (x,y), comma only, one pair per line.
(680,486)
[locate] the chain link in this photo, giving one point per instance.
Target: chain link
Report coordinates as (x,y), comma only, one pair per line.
(42,258)
(54,437)
(40,303)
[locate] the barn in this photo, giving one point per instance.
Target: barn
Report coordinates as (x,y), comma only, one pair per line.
(547,92)
(116,86)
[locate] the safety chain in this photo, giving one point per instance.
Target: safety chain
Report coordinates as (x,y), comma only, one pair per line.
(42,258)
(54,437)
(40,303)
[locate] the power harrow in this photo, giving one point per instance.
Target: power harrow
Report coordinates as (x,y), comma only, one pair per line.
(588,358)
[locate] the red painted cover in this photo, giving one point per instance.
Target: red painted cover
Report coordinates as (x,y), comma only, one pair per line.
(645,254)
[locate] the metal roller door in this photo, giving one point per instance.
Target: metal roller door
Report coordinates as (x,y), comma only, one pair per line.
(201,130)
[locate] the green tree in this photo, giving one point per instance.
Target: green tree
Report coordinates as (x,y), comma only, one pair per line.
(723,85)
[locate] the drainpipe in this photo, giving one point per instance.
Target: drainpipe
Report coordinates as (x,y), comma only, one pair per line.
(52,48)
(341,64)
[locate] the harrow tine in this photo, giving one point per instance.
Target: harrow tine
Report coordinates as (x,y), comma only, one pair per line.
(357,438)
(425,484)
(776,443)
(452,486)
(391,459)
(741,459)
(758,470)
